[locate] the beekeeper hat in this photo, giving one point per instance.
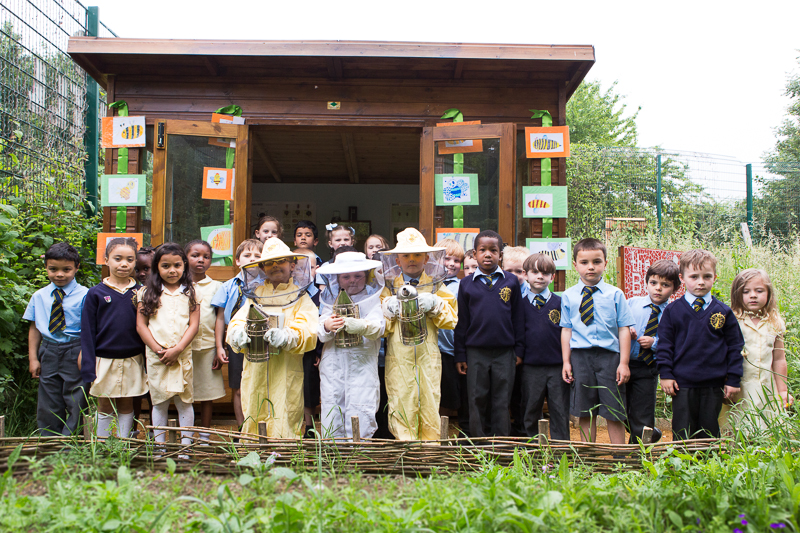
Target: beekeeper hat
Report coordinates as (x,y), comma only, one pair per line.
(274,248)
(411,241)
(347,262)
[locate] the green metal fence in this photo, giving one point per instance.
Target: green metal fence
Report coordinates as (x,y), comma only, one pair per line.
(43,98)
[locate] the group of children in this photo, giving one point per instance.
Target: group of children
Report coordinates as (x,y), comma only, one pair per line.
(491,346)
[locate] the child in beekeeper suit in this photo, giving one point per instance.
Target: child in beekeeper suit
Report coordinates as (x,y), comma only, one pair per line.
(349,384)
(413,373)
(272,390)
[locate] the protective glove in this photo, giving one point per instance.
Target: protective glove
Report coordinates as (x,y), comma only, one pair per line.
(356,326)
(391,307)
(281,338)
(239,337)
(429,302)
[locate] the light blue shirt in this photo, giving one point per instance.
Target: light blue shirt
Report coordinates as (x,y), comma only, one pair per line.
(479,274)
(610,313)
(530,295)
(41,304)
(640,309)
(447,336)
(691,298)
(227,295)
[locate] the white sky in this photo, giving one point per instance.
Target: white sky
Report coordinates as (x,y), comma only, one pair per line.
(708,75)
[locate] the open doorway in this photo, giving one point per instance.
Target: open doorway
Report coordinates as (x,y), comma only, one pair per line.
(366,177)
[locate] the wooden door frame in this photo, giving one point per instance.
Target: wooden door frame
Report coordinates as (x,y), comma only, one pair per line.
(241,191)
(507,191)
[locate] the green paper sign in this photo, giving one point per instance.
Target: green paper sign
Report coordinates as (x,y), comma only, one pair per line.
(123,190)
(559,250)
(456,189)
(220,238)
(544,202)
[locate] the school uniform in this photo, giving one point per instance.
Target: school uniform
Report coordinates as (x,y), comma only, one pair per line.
(311,381)
(489,336)
(208,384)
(451,396)
(542,364)
(640,390)
(61,396)
(595,350)
(230,298)
(113,352)
(700,347)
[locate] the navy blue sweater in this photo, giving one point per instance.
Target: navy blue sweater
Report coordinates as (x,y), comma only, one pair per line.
(108,327)
(543,332)
(490,318)
(700,349)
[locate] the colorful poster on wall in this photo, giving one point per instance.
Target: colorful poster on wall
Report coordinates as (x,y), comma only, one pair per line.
(463,236)
(635,262)
(217,183)
(544,202)
(123,132)
(456,189)
(457,146)
(220,238)
(122,190)
(104,238)
(559,250)
(547,142)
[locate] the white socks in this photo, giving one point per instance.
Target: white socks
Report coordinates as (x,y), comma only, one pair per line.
(104,422)
(185,419)
(159,418)
(124,425)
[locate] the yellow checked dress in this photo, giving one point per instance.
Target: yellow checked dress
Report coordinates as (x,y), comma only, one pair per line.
(413,410)
(168,326)
(208,384)
(272,391)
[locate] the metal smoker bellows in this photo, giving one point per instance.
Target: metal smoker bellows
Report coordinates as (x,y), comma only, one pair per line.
(344,307)
(413,329)
(258,323)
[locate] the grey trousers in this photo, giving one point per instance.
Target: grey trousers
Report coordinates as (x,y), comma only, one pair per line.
(640,399)
(61,394)
(539,382)
(490,378)
(695,413)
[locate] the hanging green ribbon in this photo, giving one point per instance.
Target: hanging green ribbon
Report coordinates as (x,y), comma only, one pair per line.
(230,157)
(458,168)
(547,174)
(122,166)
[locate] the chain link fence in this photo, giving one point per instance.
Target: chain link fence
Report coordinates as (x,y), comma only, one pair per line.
(42,98)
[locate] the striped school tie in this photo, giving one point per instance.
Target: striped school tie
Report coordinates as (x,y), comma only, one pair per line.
(587,305)
(698,304)
(239,298)
(539,301)
(650,330)
(492,279)
(58,322)
(413,282)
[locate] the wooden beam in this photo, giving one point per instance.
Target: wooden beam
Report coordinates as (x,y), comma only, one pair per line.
(350,156)
(262,153)
(334,65)
(211,65)
(458,70)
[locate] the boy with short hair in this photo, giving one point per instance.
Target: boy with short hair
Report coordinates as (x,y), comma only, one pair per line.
(541,369)
(699,352)
(661,281)
(54,343)
(470,263)
(595,344)
(306,236)
(228,300)
(490,336)
(451,397)
(513,261)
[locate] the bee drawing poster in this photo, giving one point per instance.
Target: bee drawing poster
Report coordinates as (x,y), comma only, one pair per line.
(217,183)
(544,202)
(456,189)
(547,142)
(559,250)
(122,190)
(104,238)
(220,238)
(456,146)
(123,132)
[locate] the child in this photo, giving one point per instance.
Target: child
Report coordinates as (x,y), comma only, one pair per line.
(349,375)
(267,228)
(662,280)
(541,371)
(168,319)
(374,243)
(513,261)
(229,299)
(764,387)
(311,359)
(490,336)
(207,361)
(272,389)
(112,351)
(54,344)
(414,373)
(470,263)
(337,236)
(699,353)
(306,237)
(144,263)
(595,344)
(451,397)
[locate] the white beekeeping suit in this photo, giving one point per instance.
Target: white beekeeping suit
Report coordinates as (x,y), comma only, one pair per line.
(349,383)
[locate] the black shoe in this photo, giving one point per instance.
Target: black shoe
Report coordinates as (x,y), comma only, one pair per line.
(656,436)
(309,432)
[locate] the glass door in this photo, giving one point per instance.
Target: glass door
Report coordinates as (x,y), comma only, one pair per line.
(187,200)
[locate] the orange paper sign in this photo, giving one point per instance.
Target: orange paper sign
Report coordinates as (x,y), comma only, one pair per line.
(104,238)
(123,132)
(217,183)
(547,142)
(457,146)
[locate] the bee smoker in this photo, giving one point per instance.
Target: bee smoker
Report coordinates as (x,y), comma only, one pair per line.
(344,307)
(413,329)
(258,323)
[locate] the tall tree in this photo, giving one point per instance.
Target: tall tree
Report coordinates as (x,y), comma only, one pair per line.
(597,116)
(787,147)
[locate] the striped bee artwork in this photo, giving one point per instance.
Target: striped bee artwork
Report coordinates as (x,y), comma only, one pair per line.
(123,132)
(122,190)
(543,143)
(559,250)
(544,201)
(133,131)
(547,142)
(220,238)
